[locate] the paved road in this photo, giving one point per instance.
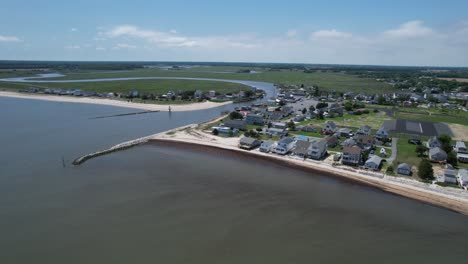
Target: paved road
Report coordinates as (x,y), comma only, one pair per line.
(394,151)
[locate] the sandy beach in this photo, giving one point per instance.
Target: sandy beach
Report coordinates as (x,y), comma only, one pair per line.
(450,198)
(111,102)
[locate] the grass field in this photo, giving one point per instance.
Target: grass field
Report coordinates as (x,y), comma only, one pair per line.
(143,86)
(407,153)
(374,120)
(326,81)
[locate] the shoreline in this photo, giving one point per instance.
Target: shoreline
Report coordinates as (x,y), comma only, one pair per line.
(115,103)
(453,200)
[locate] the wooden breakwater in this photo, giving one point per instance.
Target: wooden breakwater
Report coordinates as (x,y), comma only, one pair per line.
(118,147)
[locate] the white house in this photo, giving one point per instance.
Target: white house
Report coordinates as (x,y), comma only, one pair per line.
(284,146)
(448,176)
(463,177)
(460,147)
(267,146)
(317,149)
(373,162)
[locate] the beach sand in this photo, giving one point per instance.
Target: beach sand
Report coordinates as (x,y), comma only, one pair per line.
(111,102)
(450,198)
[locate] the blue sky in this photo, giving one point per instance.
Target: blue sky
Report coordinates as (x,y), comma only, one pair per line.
(346,32)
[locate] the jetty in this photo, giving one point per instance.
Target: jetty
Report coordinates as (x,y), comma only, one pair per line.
(118,147)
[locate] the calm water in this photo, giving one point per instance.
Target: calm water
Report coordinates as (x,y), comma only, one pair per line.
(154,204)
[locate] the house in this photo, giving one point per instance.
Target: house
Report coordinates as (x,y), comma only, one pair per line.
(235,124)
(277,132)
(212,93)
(299,118)
(253,119)
(437,155)
(330,128)
(285,145)
(365,141)
(349,142)
(460,147)
(225,130)
(433,142)
(335,109)
(267,146)
(463,177)
(448,176)
(301,149)
(344,132)
(405,169)
(198,94)
(308,128)
(332,141)
(463,158)
(279,125)
(249,143)
(352,155)
(364,130)
(381,134)
(317,149)
(373,162)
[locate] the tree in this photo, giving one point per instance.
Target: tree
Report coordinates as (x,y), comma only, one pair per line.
(420,149)
(321,105)
(282,103)
(311,108)
(291,125)
(348,106)
(452,158)
(425,170)
(304,111)
(215,132)
(444,138)
(390,169)
(235,115)
(320,115)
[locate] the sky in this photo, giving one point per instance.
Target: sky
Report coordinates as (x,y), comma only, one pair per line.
(407,33)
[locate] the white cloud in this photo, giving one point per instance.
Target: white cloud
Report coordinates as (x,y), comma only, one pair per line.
(124,46)
(411,29)
(101,48)
(9,39)
(73,47)
(333,33)
(73,29)
(291,33)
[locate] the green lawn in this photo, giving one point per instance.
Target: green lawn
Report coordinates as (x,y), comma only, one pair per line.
(374,120)
(143,86)
(307,134)
(406,153)
(341,82)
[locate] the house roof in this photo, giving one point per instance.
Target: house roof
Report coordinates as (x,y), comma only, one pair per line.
(404,166)
(433,140)
(268,143)
(301,147)
(374,159)
(286,140)
(331,139)
(352,150)
(248,140)
(463,174)
(234,123)
(365,138)
(436,150)
(460,144)
(319,143)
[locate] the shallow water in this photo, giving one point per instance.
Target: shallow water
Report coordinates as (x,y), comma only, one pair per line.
(154,204)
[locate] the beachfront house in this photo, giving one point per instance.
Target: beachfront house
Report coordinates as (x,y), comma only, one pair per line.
(284,146)
(301,148)
(448,176)
(437,155)
(364,130)
(463,177)
(332,141)
(460,147)
(352,155)
(317,149)
(253,119)
(381,134)
(212,93)
(433,142)
(373,163)
(267,146)
(330,128)
(249,143)
(235,124)
(404,169)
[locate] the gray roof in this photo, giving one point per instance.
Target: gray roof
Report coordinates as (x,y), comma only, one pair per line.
(436,150)
(319,143)
(301,147)
(286,140)
(433,140)
(234,123)
(268,143)
(460,144)
(248,140)
(463,173)
(404,166)
(374,159)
